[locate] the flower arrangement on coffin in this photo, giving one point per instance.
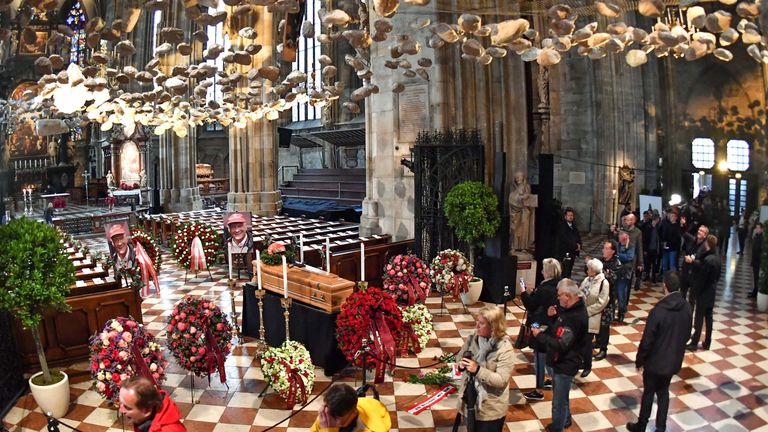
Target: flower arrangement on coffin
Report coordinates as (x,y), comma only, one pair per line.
(406,278)
(138,235)
(199,336)
(272,255)
(183,237)
(124,348)
(369,319)
(451,272)
(417,328)
(289,370)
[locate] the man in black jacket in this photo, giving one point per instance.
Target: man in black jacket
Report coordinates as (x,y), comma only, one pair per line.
(661,351)
(707,267)
(564,341)
(671,239)
(693,245)
(757,254)
(569,242)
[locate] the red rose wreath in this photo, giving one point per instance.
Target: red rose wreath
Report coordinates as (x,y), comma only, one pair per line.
(371,317)
(181,243)
(114,354)
(199,336)
(406,277)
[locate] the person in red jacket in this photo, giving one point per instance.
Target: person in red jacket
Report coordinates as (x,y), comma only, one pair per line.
(147,408)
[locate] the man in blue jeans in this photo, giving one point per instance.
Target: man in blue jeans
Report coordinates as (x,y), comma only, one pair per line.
(626,254)
(564,340)
(671,241)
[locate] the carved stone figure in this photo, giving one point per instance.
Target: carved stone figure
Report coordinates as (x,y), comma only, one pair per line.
(110,180)
(520,213)
(143,179)
(627,178)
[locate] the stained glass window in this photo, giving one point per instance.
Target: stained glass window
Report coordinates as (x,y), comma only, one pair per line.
(76,21)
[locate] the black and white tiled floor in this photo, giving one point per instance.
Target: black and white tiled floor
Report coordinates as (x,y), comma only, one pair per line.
(723,389)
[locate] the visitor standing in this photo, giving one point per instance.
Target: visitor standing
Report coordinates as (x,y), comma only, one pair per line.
(595,291)
(147,408)
(757,256)
(343,410)
(671,240)
(707,268)
(569,242)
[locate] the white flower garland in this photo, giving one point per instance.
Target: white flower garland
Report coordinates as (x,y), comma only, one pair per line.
(420,319)
(274,366)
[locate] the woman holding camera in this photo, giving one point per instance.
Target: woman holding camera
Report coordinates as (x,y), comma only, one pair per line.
(487,361)
(536,304)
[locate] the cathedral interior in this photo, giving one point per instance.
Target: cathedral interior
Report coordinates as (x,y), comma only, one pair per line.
(351,120)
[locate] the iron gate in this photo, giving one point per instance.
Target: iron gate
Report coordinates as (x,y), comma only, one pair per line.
(12,382)
(441,159)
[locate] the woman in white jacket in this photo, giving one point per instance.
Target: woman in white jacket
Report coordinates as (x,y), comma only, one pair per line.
(595,290)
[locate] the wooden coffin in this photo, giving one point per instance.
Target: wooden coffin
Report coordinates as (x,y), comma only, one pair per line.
(316,288)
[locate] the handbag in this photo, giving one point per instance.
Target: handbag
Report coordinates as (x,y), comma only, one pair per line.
(524,335)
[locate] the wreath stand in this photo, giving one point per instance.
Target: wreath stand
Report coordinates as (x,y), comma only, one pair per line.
(207,268)
(442,304)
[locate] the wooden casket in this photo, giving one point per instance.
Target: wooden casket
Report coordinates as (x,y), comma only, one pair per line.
(307,285)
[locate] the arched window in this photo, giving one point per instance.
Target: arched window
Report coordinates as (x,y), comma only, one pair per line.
(703,153)
(76,21)
(737,152)
(307,61)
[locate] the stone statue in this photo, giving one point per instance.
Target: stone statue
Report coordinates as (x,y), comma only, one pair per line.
(627,178)
(143,179)
(520,213)
(110,180)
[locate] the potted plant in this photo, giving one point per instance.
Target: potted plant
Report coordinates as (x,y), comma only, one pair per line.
(36,276)
(472,209)
(762,289)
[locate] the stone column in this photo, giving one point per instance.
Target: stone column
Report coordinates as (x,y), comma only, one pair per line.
(178,180)
(253,150)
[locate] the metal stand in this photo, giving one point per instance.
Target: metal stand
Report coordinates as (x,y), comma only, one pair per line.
(192,394)
(232,284)
(207,268)
(364,387)
(362,286)
(286,302)
(261,343)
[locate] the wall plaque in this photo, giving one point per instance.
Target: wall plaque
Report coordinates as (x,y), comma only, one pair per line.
(413,112)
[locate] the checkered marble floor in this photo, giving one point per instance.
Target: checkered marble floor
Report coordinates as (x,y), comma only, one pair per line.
(723,389)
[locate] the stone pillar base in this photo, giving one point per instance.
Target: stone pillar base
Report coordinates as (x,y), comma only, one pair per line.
(369,220)
(258,203)
(181,200)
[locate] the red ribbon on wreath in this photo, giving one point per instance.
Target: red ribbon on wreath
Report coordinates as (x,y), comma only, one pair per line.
(414,291)
(214,358)
(197,255)
(384,345)
(140,365)
(295,382)
(147,269)
(460,284)
(409,339)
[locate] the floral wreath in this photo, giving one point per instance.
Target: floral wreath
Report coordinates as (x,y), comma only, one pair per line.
(272,255)
(289,370)
(406,278)
(199,336)
(417,324)
(114,354)
(138,235)
(182,240)
(451,272)
(369,320)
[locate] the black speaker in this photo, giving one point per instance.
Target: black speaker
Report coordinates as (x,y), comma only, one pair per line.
(284,137)
(546,222)
(499,275)
(498,245)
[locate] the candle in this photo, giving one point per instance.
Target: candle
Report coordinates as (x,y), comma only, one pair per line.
(301,248)
(285,277)
(258,267)
(229,256)
(362,260)
(328,254)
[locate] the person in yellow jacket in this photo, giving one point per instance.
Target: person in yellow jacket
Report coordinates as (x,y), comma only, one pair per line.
(343,411)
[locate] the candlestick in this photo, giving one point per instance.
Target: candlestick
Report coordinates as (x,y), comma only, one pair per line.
(301,248)
(258,268)
(231,284)
(285,277)
(286,304)
(261,344)
(328,254)
(362,260)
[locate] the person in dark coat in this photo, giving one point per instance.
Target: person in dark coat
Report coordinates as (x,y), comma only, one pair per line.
(611,269)
(742,229)
(537,304)
(757,255)
(692,245)
(563,341)
(661,351)
(707,273)
(651,247)
(569,242)
(671,239)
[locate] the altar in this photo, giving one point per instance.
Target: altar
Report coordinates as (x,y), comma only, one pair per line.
(128,194)
(52,198)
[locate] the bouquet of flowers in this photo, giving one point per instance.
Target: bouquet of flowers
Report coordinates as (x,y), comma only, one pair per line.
(199,336)
(182,240)
(59,203)
(138,235)
(123,349)
(417,324)
(110,200)
(407,279)
(371,319)
(289,370)
(274,252)
(451,272)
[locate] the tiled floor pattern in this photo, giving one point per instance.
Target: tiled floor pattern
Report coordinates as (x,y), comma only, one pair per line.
(723,389)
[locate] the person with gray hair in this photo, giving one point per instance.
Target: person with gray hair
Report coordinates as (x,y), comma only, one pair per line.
(563,340)
(595,290)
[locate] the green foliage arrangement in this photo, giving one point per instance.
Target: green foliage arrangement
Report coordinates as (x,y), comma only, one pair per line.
(36,275)
(472,209)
